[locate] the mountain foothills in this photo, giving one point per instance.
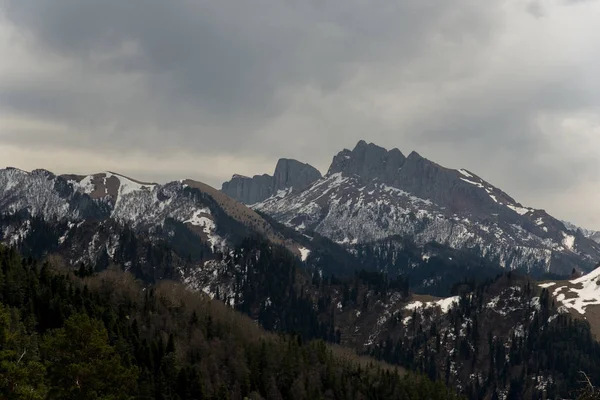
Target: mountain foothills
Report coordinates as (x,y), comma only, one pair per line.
(370,194)
(76,336)
(397,258)
(504,338)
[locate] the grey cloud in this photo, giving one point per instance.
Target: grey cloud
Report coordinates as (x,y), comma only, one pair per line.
(536,9)
(209,64)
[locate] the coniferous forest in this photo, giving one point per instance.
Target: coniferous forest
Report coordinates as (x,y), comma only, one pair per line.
(470,348)
(88,335)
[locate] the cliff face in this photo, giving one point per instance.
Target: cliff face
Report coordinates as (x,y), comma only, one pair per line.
(294,174)
(249,190)
(289,174)
(368,162)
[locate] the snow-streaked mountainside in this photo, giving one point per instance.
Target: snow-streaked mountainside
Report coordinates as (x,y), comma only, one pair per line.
(580,295)
(116,219)
(589,233)
(371,193)
(105,195)
(172,231)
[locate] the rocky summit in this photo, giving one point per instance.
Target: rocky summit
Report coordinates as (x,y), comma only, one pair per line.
(370,193)
(289,174)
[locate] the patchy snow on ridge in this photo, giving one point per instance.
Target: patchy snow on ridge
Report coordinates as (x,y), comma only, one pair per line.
(350,211)
(35,192)
(85,185)
(200,218)
(479,185)
(578,294)
(444,304)
(127,186)
(465,173)
(519,210)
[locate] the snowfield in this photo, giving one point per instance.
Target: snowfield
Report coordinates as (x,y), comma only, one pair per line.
(349,211)
(577,294)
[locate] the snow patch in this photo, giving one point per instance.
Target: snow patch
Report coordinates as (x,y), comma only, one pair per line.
(568,241)
(519,210)
(304,252)
(200,218)
(479,185)
(585,293)
(86,184)
(127,186)
(445,304)
(465,173)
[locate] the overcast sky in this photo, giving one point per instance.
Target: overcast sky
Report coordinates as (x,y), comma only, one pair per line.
(164,90)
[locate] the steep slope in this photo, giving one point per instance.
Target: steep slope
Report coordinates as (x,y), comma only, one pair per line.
(589,233)
(289,175)
(370,194)
(108,218)
(168,231)
(580,297)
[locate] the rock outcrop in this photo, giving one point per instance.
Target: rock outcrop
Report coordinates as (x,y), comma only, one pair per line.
(289,174)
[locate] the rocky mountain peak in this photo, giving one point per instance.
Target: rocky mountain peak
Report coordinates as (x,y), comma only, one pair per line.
(294,174)
(368,161)
(43,172)
(414,156)
(289,174)
(371,193)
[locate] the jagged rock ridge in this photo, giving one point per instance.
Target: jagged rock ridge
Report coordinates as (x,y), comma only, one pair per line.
(289,174)
(589,233)
(370,193)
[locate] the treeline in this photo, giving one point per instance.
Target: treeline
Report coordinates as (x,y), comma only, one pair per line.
(104,336)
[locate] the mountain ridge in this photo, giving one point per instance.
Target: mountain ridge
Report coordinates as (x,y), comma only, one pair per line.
(186,211)
(190,232)
(370,193)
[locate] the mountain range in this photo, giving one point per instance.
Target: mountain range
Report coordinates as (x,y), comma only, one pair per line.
(370,193)
(353,257)
(374,209)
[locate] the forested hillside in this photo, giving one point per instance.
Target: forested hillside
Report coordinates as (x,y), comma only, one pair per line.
(86,335)
(500,338)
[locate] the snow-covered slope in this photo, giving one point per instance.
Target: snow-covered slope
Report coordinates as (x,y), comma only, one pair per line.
(370,194)
(580,297)
(85,218)
(41,193)
(577,294)
(37,192)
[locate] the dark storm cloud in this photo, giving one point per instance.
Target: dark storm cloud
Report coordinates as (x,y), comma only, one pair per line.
(484,85)
(219,64)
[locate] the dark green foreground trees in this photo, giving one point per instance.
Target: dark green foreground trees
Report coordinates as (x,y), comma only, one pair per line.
(105,337)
